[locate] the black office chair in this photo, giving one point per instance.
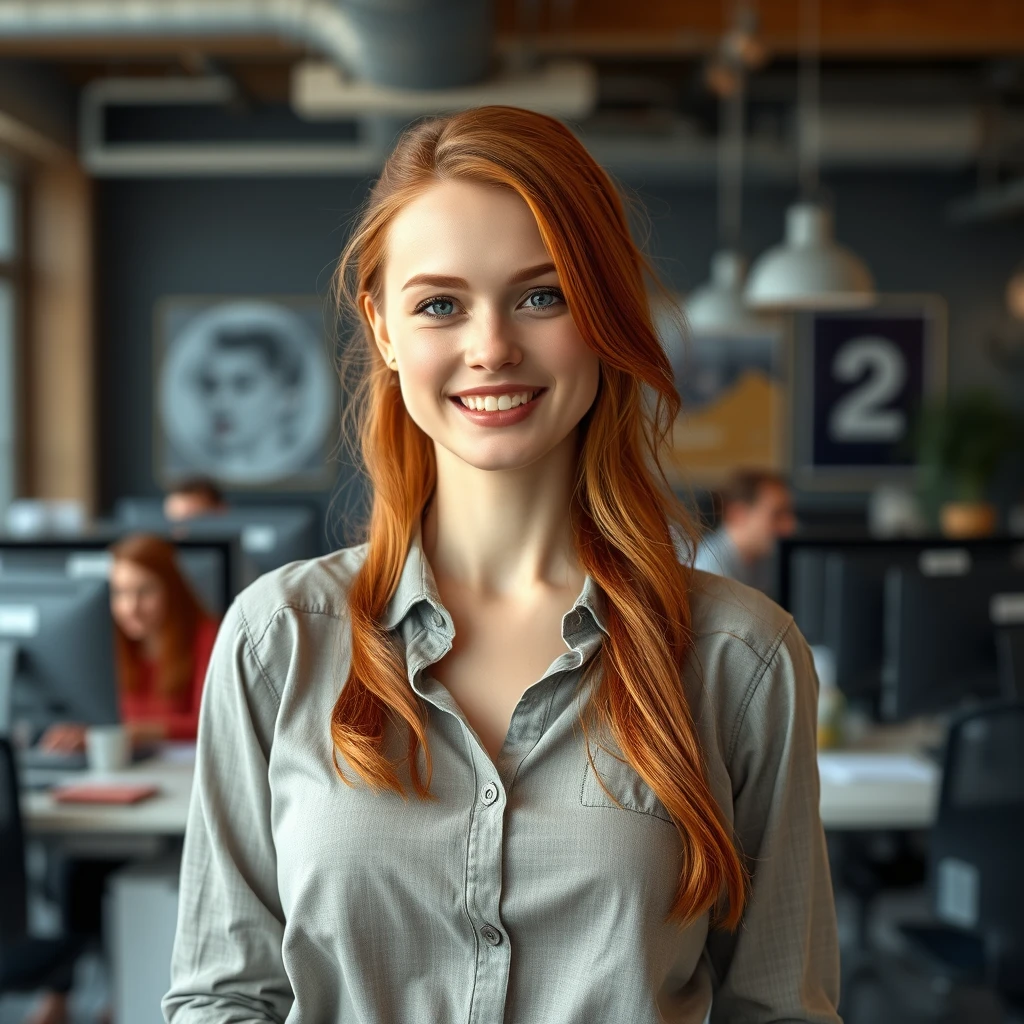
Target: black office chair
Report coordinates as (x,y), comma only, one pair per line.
(26,963)
(976,942)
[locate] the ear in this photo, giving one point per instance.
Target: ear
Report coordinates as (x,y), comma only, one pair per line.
(375,318)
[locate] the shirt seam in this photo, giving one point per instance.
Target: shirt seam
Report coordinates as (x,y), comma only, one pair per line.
(748,697)
(255,655)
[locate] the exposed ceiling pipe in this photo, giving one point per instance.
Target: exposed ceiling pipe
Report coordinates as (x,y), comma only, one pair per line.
(412,44)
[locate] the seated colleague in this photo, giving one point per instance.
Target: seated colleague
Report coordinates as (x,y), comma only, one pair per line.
(757,509)
(163,639)
(196,496)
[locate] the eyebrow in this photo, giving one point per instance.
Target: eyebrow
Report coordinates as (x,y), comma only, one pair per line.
(440,281)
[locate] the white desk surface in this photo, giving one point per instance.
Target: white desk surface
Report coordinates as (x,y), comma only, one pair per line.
(883,783)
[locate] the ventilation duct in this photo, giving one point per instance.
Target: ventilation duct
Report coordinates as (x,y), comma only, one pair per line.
(410,44)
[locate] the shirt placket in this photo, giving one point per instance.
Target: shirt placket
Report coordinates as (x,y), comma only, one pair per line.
(494,782)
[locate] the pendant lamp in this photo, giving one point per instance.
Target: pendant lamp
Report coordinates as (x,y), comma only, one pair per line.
(717,306)
(809,269)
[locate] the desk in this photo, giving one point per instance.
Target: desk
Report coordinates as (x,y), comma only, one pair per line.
(162,815)
(850,799)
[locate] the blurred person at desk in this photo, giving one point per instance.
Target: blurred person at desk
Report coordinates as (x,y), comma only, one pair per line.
(195,496)
(757,509)
(164,639)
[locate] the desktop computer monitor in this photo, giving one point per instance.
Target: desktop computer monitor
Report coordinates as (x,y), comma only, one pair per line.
(212,567)
(270,536)
(56,653)
(852,613)
(807,593)
(940,639)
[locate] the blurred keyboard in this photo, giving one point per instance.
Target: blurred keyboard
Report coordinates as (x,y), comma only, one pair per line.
(37,758)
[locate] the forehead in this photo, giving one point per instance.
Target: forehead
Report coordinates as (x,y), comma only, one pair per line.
(464,229)
(128,573)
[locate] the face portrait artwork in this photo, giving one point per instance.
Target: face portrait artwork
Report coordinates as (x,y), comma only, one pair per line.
(246,393)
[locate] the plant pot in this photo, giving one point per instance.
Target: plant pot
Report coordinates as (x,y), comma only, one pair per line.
(968,519)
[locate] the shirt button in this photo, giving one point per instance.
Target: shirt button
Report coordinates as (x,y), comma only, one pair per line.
(490,793)
(491,935)
(438,619)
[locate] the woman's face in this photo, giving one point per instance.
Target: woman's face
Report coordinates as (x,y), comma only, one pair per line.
(472,308)
(138,600)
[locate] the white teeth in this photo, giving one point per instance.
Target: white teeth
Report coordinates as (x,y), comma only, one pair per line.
(494,403)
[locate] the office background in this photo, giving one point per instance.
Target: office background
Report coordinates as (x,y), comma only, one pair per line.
(112,203)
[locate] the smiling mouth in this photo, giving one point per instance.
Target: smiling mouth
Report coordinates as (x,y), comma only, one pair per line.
(497,403)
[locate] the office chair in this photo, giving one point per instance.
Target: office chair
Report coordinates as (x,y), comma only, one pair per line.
(976,942)
(26,963)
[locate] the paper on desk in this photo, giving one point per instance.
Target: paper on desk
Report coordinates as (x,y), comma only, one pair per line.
(840,767)
(177,753)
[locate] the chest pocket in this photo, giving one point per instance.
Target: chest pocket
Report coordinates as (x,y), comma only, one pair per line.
(623,782)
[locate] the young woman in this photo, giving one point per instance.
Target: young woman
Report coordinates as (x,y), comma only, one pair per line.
(511,759)
(163,641)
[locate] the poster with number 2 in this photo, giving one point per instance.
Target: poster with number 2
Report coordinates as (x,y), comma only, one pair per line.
(869,372)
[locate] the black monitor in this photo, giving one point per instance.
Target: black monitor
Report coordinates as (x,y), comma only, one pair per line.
(940,639)
(56,653)
(269,536)
(212,566)
(807,594)
(852,613)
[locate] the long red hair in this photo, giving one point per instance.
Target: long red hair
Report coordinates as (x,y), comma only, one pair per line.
(621,508)
(176,661)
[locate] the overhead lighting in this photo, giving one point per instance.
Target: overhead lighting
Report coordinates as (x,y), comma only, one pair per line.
(809,270)
(717,307)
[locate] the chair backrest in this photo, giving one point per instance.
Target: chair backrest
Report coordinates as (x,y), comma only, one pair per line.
(977,844)
(12,850)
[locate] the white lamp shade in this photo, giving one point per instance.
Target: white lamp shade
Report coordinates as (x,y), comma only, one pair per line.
(717,307)
(809,270)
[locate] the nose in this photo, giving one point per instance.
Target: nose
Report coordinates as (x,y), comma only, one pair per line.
(491,342)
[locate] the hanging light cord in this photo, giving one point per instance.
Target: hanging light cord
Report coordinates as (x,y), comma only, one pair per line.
(809,99)
(731,108)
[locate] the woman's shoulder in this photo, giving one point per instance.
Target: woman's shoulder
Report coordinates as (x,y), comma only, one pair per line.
(313,586)
(722,608)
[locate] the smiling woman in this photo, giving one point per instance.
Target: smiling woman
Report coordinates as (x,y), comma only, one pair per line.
(611,757)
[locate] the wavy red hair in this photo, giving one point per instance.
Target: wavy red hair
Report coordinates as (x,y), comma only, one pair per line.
(621,508)
(176,663)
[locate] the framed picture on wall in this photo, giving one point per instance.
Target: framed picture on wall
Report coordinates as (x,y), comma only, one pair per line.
(734,391)
(862,376)
(244,391)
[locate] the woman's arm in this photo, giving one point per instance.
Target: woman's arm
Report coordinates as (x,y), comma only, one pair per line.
(782,963)
(227,966)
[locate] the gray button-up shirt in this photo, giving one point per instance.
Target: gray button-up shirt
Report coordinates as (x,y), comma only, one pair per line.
(522,894)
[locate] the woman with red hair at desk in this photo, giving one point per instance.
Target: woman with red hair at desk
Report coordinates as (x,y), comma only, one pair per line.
(163,640)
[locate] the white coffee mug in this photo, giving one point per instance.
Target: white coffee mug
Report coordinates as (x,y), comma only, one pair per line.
(107,747)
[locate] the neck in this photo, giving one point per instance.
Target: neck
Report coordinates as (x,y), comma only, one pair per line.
(739,540)
(502,532)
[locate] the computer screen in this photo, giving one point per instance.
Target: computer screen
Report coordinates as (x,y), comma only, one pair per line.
(270,536)
(212,565)
(56,652)
(940,639)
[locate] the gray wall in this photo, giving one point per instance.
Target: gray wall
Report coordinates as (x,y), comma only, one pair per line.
(197,236)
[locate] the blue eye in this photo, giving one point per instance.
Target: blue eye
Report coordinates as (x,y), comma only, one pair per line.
(438,308)
(543,299)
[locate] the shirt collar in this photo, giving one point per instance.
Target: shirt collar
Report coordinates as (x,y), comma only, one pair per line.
(416,585)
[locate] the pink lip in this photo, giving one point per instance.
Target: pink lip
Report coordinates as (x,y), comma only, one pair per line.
(497,389)
(499,418)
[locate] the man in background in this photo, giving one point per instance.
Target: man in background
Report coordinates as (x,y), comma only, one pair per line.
(756,509)
(197,496)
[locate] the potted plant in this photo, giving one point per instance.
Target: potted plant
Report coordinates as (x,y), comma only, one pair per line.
(960,445)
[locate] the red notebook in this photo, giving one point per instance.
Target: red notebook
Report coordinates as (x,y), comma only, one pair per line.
(105,792)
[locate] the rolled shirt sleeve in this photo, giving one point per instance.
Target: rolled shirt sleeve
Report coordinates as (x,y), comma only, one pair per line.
(226,967)
(782,963)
